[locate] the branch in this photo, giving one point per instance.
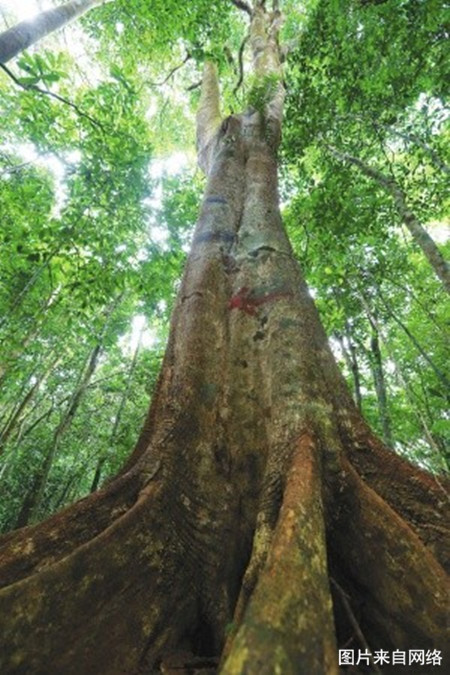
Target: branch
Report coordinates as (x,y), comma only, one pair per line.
(196,85)
(172,72)
(47,92)
(409,137)
(241,4)
(412,138)
(372,2)
(241,63)
(14,168)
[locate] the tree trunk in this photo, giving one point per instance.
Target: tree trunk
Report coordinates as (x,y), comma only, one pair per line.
(439,374)
(416,229)
(102,459)
(411,396)
(351,360)
(254,477)
(16,416)
(10,359)
(34,497)
(380,387)
(26,33)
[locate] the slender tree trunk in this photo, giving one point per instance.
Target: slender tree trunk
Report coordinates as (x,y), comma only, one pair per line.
(34,497)
(349,352)
(97,473)
(253,479)
(30,283)
(356,374)
(8,409)
(403,380)
(376,363)
(16,417)
(437,371)
(26,33)
(417,231)
(380,387)
(351,360)
(44,416)
(9,360)
(66,489)
(102,459)
(416,405)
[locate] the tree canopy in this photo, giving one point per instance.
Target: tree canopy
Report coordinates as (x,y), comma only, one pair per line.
(99,193)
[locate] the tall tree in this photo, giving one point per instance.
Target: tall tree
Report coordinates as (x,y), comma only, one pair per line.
(252,441)
(27,33)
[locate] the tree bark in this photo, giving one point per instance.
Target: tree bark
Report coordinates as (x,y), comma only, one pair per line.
(26,33)
(243,478)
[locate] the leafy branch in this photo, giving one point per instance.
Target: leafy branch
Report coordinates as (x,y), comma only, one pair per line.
(57,97)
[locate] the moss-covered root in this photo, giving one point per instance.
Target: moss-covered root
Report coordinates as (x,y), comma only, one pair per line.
(288,625)
(422,500)
(403,592)
(112,604)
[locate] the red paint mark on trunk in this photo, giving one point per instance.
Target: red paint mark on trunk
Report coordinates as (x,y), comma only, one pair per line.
(244,301)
